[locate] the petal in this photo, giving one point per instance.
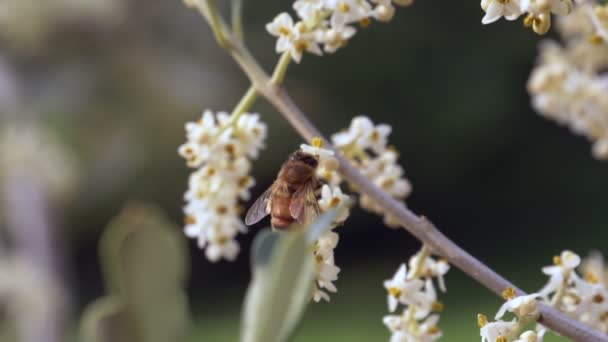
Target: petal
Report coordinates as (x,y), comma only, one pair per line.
(296,55)
(392,303)
(283,44)
(493,13)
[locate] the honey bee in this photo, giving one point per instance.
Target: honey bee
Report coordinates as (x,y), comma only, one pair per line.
(291,198)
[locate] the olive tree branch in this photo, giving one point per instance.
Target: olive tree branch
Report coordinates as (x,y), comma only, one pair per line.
(419,226)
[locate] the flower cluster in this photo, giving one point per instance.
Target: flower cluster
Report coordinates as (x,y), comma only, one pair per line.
(525,310)
(365,144)
(326,23)
(416,291)
(331,197)
(538,11)
(569,83)
(220,147)
(584,298)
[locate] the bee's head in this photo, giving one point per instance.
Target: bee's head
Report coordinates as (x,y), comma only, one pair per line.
(305,158)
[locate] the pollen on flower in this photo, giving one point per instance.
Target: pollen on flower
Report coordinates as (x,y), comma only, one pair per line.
(365,22)
(395,292)
(317,142)
(501,339)
(509,293)
(482,320)
(343,7)
(596,39)
(557,260)
(437,306)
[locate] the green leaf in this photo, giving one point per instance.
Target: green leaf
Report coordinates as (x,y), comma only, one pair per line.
(144,263)
(282,279)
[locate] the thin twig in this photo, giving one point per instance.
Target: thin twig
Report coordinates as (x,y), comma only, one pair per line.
(419,226)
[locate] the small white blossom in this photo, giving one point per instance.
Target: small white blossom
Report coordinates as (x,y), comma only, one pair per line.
(345,12)
(332,198)
(327,271)
(402,290)
(495,9)
(561,272)
(336,38)
(405,328)
(490,332)
(307,9)
(529,336)
(522,306)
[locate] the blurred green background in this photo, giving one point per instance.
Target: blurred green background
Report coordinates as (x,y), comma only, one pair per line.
(117,81)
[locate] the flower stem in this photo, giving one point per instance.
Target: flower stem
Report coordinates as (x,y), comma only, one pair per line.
(424,253)
(237,18)
(280,70)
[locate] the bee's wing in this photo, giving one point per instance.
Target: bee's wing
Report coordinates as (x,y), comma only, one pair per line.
(304,207)
(260,208)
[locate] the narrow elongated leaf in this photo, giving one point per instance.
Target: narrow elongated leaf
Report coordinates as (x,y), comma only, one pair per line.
(282,279)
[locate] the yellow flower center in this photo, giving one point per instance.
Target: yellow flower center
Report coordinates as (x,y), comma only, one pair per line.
(210,172)
(501,339)
(301,46)
(343,7)
(230,149)
(504,2)
(222,210)
(284,31)
(591,277)
(395,292)
(334,202)
(243,181)
(365,22)
(598,299)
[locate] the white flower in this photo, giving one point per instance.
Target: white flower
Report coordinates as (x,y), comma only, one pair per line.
(290,37)
(529,336)
(335,38)
(327,271)
(282,27)
(560,272)
(495,9)
(332,198)
(347,11)
(384,12)
(432,268)
(402,290)
(559,7)
(307,9)
(405,328)
(490,332)
(222,247)
(316,149)
(521,306)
